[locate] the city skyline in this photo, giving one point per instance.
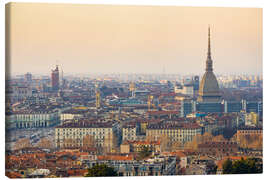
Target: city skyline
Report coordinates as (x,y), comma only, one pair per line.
(140,39)
(98,90)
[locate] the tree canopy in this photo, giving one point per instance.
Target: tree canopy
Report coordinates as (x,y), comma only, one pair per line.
(247,166)
(101,170)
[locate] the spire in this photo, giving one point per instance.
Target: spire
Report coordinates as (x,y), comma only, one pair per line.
(209,66)
(209,44)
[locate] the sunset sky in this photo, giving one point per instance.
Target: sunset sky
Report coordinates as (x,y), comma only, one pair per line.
(133,39)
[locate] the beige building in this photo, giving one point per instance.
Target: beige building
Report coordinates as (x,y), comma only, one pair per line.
(103,136)
(175,132)
(129,132)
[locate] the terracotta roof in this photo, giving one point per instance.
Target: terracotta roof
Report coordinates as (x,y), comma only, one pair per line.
(77,172)
(176,153)
(143,142)
(115,157)
(13,175)
(162,112)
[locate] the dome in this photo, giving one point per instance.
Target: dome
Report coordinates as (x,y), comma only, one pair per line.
(209,89)
(209,85)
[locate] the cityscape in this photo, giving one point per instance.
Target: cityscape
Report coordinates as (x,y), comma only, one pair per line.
(134,124)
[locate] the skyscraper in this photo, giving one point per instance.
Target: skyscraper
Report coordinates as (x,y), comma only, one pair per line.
(209,89)
(55,79)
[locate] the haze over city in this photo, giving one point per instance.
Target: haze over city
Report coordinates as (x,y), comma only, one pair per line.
(133,39)
(99,90)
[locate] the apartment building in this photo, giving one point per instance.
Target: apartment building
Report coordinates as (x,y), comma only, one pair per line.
(175,132)
(103,135)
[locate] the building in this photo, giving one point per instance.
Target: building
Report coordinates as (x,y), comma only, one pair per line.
(188,89)
(104,135)
(71,114)
(232,106)
(157,166)
(55,79)
(188,106)
(196,84)
(163,114)
(127,102)
(252,106)
(248,131)
(209,107)
(137,146)
(209,88)
(28,119)
(28,77)
(219,148)
(175,132)
(129,132)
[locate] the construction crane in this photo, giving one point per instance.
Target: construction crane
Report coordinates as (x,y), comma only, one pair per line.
(132,88)
(97,99)
(150,102)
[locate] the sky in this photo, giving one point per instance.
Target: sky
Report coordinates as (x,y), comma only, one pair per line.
(132,39)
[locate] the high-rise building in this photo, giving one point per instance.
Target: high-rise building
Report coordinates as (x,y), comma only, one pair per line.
(209,88)
(28,77)
(55,79)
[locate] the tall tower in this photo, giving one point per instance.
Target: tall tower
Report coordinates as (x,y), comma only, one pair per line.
(97,99)
(209,88)
(55,79)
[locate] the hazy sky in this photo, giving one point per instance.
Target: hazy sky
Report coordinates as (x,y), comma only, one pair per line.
(133,39)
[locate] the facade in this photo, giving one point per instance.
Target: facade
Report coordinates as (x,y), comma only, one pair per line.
(222,148)
(176,133)
(248,131)
(252,106)
(188,89)
(232,106)
(32,119)
(104,135)
(209,107)
(129,132)
(71,114)
(187,107)
(163,114)
(137,146)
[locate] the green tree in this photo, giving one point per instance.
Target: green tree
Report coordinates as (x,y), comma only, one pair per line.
(227,167)
(211,168)
(247,166)
(101,170)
